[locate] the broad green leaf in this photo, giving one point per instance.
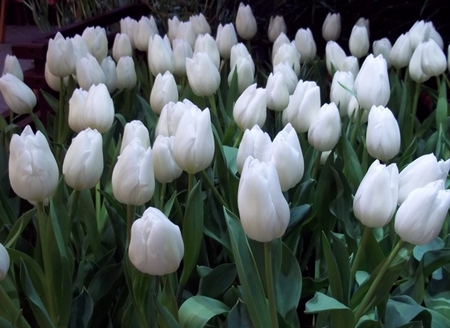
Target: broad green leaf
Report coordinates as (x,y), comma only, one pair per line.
(18,228)
(341,315)
(436,297)
(442,106)
(218,280)
(341,256)
(196,311)
(165,317)
(238,317)
(86,213)
(352,166)
(403,309)
(104,281)
(6,211)
(82,309)
(334,275)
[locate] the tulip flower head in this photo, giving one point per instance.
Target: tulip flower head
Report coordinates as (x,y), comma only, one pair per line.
(164,91)
(126,74)
(289,75)
(306,46)
(200,24)
(156,245)
(181,50)
(109,69)
(226,38)
(206,43)
(172,31)
(122,46)
(359,41)
(415,65)
(33,171)
(276,27)
(277,92)
(186,31)
(96,41)
(288,53)
(89,72)
(160,55)
(132,130)
(255,143)
(61,56)
(331,28)
(18,96)
(250,108)
(401,51)
(383,47)
(170,118)
(245,22)
(338,94)
(12,66)
(433,61)
(245,69)
(164,165)
(203,75)
(325,129)
(4,262)
(147,28)
(334,56)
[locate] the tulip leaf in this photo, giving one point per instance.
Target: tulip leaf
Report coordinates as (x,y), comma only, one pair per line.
(52,101)
(86,213)
(253,293)
(352,166)
(82,309)
(218,280)
(403,309)
(165,317)
(340,315)
(238,317)
(19,227)
(6,212)
(104,281)
(442,107)
(334,276)
(196,311)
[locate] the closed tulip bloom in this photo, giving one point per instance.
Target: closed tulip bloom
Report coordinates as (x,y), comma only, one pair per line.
(245,22)
(33,172)
(164,165)
(334,56)
(359,41)
(415,66)
(383,134)
(288,53)
(186,31)
(206,43)
(421,31)
(276,27)
(250,108)
(110,71)
(4,262)
(181,51)
(133,180)
(433,61)
(83,164)
(375,200)
(303,106)
(383,47)
(277,92)
(350,64)
(89,72)
(156,245)
(226,38)
(203,75)
(245,69)
(172,31)
(164,91)
(76,107)
(325,129)
(372,83)
(12,66)
(238,51)
(122,46)
(193,146)
(338,94)
(419,173)
(61,56)
(263,210)
(126,74)
(160,56)
(281,39)
(306,45)
(331,28)
(52,81)
(97,42)
(80,48)
(289,75)
(420,218)
(288,157)
(18,96)
(401,51)
(130,27)
(145,31)
(255,143)
(135,130)
(170,118)
(200,24)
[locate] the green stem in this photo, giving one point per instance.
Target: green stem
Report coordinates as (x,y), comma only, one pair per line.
(368,298)
(191,178)
(130,219)
(238,139)
(162,193)
(73,209)
(269,285)
(359,254)
(414,110)
(213,189)
(11,308)
(316,164)
(215,116)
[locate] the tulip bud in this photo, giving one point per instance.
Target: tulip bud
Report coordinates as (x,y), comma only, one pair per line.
(277,92)
(76,108)
(383,134)
(254,143)
(33,172)
(226,38)
(4,262)
(186,31)
(325,129)
(303,106)
(245,22)
(200,24)
(383,47)
(415,66)
(358,42)
(135,130)
(122,46)
(133,180)
(89,72)
(276,27)
(12,66)
(420,217)
(205,43)
(324,156)
(350,64)
(130,27)
(80,48)
(263,210)
(334,56)
(245,69)
(401,51)
(288,157)
(61,56)
(250,108)
(421,31)
(164,91)
(146,30)
(203,75)
(156,245)
(110,71)
(338,94)
(289,75)
(433,61)
(331,28)
(376,198)
(372,83)
(95,38)
(238,51)
(164,164)
(419,173)
(18,96)
(170,118)
(126,74)
(83,164)
(172,31)
(52,81)
(160,56)
(193,146)
(306,46)
(181,51)
(288,53)
(281,39)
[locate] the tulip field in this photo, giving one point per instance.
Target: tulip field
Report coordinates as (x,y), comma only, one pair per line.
(186,177)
